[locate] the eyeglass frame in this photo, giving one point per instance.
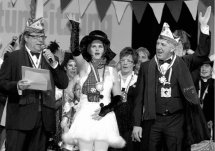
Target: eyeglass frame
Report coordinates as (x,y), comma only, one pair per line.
(38,36)
(128,61)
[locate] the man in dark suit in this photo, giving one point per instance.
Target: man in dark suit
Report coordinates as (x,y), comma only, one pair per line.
(30,113)
(164,85)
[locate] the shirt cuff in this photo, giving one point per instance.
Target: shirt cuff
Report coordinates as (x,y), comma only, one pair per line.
(19,91)
(205,29)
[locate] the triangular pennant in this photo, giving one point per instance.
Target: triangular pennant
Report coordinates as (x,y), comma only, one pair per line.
(46,2)
(83,5)
(102,7)
(39,9)
(192,6)
(13,2)
(120,8)
(139,9)
(175,8)
(158,10)
(64,4)
(32,8)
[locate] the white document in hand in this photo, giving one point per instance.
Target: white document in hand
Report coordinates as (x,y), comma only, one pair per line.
(39,78)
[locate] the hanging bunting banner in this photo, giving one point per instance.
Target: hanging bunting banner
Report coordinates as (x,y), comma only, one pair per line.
(192,6)
(13,2)
(32,8)
(158,10)
(139,9)
(175,8)
(120,8)
(64,4)
(39,9)
(102,7)
(46,2)
(83,5)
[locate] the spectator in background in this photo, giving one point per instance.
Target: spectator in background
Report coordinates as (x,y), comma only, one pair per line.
(183,47)
(71,97)
(128,59)
(143,56)
(205,89)
(3,98)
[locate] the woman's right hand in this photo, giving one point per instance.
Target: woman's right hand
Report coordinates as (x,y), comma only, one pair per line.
(136,133)
(95,115)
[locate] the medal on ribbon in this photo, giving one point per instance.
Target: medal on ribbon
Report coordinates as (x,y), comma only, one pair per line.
(124,96)
(99,86)
(166,92)
(162,80)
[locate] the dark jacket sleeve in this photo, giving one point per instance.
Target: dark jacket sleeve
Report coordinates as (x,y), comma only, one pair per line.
(7,83)
(195,60)
(138,102)
(60,78)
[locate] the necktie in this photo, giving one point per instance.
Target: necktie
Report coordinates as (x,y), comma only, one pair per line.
(35,54)
(166,61)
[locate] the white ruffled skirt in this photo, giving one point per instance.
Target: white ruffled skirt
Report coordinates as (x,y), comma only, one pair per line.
(87,129)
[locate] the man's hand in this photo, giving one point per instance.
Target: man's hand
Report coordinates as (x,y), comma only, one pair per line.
(23,84)
(136,133)
(203,20)
(95,115)
(210,124)
(49,55)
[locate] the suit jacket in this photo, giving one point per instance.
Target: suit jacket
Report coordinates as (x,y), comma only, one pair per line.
(22,110)
(192,61)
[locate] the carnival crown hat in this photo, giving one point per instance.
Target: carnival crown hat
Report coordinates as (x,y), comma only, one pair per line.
(97,35)
(167,34)
(35,25)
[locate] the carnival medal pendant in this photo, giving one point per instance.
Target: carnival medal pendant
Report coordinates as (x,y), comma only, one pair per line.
(124,97)
(166,92)
(163,80)
(100,86)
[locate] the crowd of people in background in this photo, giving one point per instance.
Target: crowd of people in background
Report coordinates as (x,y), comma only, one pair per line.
(163,102)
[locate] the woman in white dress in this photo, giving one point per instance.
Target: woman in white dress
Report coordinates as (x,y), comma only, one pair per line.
(95,126)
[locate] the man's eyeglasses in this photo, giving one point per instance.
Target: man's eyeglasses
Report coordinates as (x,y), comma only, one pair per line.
(43,37)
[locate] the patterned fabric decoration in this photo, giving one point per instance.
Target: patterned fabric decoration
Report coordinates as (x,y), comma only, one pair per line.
(167,34)
(35,25)
(89,87)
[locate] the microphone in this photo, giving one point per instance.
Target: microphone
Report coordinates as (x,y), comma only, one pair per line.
(13,42)
(44,49)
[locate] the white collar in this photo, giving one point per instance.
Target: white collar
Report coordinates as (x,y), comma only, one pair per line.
(36,61)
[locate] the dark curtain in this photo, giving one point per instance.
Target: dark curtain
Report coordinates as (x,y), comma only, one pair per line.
(145,33)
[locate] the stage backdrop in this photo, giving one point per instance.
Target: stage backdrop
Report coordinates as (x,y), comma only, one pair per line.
(13,19)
